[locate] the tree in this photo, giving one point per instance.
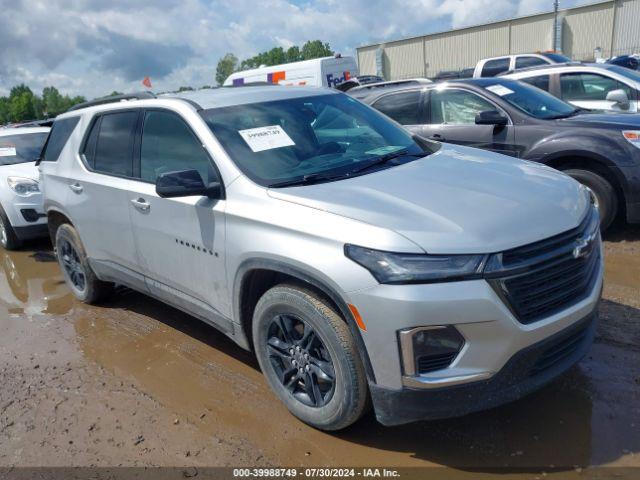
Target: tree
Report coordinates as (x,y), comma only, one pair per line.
(4,110)
(226,66)
(315,49)
(53,102)
(21,104)
(293,54)
(185,89)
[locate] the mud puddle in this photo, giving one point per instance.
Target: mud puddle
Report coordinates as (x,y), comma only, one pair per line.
(193,390)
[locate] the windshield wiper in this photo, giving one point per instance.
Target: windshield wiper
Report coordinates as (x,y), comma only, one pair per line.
(382,159)
(306,180)
(572,113)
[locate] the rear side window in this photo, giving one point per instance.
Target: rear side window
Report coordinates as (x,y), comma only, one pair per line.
(524,62)
(60,133)
(21,148)
(109,146)
(589,86)
(494,67)
(403,107)
(542,82)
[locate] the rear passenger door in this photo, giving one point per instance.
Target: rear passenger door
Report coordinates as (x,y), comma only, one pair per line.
(98,196)
(452,115)
(180,240)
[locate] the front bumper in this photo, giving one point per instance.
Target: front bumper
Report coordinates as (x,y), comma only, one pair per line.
(526,371)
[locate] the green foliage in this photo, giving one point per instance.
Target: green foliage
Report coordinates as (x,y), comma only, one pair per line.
(22,104)
(185,89)
(226,66)
(276,56)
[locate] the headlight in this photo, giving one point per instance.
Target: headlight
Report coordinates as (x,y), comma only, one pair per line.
(632,136)
(23,186)
(389,267)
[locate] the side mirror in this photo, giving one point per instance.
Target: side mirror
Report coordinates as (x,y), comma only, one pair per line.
(185,183)
(491,117)
(619,97)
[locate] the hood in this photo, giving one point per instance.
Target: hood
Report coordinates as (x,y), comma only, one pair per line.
(458,200)
(615,120)
(27,170)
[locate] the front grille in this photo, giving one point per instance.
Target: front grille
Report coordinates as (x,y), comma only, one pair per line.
(431,363)
(560,350)
(548,276)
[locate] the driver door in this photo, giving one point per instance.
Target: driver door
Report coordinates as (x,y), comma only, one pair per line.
(452,114)
(180,241)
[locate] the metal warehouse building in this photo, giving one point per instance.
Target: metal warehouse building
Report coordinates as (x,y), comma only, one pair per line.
(613,26)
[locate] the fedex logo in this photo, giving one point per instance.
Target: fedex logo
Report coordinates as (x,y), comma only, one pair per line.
(335,81)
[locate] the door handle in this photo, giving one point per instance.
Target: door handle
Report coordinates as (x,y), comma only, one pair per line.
(76,187)
(141,204)
(437,137)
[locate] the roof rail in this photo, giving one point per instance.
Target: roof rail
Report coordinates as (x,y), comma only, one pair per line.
(113,99)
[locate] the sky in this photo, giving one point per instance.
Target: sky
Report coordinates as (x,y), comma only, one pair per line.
(92,47)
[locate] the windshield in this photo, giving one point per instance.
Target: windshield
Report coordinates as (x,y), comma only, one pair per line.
(531,100)
(21,148)
(626,72)
(329,135)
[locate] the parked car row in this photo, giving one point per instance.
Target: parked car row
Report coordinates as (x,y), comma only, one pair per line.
(363,264)
(601,151)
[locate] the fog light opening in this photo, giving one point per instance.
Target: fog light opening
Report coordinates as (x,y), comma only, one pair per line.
(428,349)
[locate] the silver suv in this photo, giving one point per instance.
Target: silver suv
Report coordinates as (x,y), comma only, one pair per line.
(358,262)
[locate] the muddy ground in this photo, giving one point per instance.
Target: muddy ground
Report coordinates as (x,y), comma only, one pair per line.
(134,382)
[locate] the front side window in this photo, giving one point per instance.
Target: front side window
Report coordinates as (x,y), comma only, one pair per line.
(524,62)
(60,133)
(456,107)
(403,107)
(330,136)
(492,68)
(22,148)
(109,146)
(588,86)
(169,145)
(541,82)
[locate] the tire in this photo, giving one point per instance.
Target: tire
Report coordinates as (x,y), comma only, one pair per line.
(77,272)
(8,238)
(333,350)
(603,193)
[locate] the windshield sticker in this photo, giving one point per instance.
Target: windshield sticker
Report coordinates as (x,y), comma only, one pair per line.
(266,138)
(384,150)
(499,90)
(8,152)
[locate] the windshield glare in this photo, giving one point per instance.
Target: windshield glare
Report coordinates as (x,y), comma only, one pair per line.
(329,135)
(626,72)
(22,148)
(531,100)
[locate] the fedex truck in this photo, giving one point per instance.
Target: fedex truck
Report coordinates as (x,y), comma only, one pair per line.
(319,72)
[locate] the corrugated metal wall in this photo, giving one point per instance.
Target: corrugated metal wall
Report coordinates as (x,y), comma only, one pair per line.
(583,29)
(627,28)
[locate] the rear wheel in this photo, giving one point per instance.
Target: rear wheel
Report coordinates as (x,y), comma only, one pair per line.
(309,357)
(75,267)
(8,238)
(602,192)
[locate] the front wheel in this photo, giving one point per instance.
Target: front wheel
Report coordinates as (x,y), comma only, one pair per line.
(602,192)
(309,357)
(8,238)
(75,267)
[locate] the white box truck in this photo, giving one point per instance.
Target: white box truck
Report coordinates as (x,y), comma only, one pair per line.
(319,72)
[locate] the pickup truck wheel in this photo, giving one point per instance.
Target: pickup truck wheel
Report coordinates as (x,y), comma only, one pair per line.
(75,267)
(309,357)
(604,195)
(8,238)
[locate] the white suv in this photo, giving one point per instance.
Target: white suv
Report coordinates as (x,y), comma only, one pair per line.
(21,214)
(357,261)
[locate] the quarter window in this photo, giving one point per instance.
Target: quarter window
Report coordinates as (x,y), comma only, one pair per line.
(169,145)
(492,68)
(588,86)
(109,146)
(403,107)
(456,107)
(60,133)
